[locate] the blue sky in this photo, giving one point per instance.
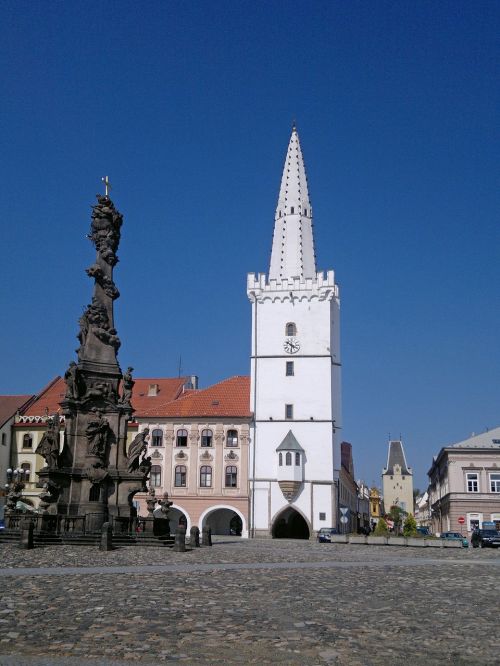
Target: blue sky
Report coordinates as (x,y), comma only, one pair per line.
(188,108)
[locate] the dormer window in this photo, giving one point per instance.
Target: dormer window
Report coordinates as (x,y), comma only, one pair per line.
(153,390)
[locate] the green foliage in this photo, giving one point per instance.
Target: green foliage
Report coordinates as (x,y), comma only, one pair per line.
(397,515)
(381,528)
(410,526)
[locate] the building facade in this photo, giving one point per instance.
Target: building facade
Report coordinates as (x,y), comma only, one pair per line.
(464,482)
(28,428)
(198,443)
(376,508)
(397,479)
(10,405)
(295,374)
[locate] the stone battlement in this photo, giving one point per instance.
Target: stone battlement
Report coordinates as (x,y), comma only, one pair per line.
(323,284)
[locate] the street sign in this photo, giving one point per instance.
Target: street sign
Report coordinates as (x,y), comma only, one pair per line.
(344,519)
(461,520)
(343,510)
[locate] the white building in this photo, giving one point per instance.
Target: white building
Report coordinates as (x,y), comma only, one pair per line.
(295,374)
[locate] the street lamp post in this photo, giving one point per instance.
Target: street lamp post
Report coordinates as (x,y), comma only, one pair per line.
(14,487)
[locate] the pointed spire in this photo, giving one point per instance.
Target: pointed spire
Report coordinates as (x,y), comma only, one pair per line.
(293,244)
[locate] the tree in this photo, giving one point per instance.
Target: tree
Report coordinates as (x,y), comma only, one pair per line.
(381,528)
(397,514)
(410,526)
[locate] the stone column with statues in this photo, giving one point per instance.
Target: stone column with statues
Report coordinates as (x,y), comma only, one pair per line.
(94,475)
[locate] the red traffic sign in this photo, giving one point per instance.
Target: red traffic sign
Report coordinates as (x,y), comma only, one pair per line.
(461,520)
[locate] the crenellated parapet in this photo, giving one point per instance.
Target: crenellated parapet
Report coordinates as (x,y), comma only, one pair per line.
(322,287)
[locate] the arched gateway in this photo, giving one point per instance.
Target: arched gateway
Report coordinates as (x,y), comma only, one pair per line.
(290,524)
(224,520)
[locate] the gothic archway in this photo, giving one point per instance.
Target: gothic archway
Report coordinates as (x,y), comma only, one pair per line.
(290,524)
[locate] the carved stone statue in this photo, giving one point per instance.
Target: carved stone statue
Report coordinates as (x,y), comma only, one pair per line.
(138,446)
(105,229)
(104,281)
(49,494)
(49,444)
(128,385)
(73,382)
(98,433)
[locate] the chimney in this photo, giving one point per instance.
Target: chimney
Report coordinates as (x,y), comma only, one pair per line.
(191,382)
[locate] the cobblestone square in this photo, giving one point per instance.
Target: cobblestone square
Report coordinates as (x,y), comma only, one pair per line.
(249,602)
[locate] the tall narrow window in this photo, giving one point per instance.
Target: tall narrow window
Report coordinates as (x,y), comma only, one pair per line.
(206,438)
(288,411)
(206,476)
(495,483)
(27,441)
(290,329)
(288,458)
(182,437)
(289,369)
(472,482)
(157,437)
(231,477)
(280,458)
(155,478)
(297,458)
(180,476)
(292,210)
(232,438)
(26,467)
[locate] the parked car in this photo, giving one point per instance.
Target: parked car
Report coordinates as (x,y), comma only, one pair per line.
(455,536)
(423,531)
(325,533)
(485,538)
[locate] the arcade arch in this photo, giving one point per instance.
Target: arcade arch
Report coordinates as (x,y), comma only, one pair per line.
(225,520)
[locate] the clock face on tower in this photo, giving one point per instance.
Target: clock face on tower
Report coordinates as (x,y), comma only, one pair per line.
(291,345)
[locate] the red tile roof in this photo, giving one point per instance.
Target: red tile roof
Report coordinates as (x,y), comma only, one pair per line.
(48,399)
(169,388)
(9,404)
(230,397)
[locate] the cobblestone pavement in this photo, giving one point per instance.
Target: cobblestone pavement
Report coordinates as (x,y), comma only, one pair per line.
(290,602)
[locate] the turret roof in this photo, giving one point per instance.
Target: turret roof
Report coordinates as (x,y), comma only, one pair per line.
(290,443)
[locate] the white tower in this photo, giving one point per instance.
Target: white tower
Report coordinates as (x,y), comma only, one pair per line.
(295,371)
